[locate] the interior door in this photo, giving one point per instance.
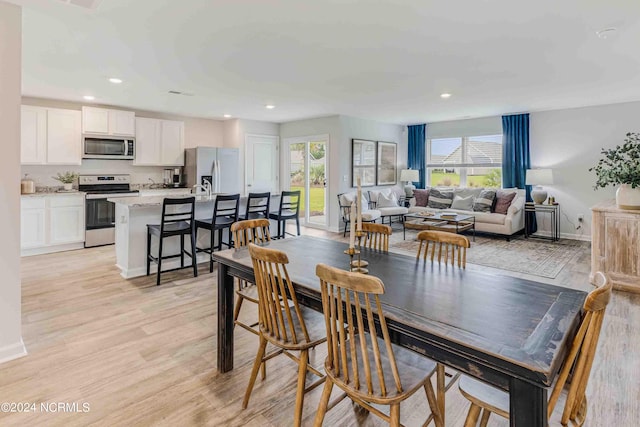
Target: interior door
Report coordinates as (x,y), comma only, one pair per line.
(261,161)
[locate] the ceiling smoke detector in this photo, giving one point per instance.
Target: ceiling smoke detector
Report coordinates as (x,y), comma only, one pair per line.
(86,4)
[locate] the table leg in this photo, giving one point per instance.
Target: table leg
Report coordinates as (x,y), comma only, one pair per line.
(528,404)
(225,319)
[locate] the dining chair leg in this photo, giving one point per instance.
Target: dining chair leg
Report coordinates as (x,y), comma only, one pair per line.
(219,240)
(148,252)
(159,260)
(302,375)
(182,250)
(485,417)
(324,403)
(254,372)
(441,390)
(236,311)
(433,404)
(472,416)
(212,236)
(394,416)
(279,223)
(298,225)
(194,261)
(345,230)
(284,229)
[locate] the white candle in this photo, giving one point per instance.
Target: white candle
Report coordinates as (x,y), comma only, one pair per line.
(352,225)
(359,202)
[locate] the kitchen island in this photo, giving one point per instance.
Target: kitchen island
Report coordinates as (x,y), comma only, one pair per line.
(132,216)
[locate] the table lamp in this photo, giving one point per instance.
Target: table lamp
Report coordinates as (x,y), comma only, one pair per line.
(409,176)
(539,177)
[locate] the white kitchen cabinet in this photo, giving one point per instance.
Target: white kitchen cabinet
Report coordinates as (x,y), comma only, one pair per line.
(64,137)
(105,121)
(33,142)
(32,223)
(172,143)
(159,142)
(147,142)
(52,223)
(50,136)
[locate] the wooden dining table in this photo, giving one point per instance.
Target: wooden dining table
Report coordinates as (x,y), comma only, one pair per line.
(509,332)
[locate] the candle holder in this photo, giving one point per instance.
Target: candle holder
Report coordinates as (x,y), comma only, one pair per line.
(359,264)
(351,252)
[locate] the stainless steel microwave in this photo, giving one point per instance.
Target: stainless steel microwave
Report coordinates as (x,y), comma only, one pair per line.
(108,148)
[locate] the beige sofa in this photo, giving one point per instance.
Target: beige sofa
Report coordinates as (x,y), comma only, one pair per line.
(488,222)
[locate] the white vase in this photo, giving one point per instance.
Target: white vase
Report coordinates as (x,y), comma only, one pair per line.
(67,187)
(627,197)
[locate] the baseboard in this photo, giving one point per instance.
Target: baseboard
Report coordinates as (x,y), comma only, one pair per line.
(569,236)
(12,351)
(52,249)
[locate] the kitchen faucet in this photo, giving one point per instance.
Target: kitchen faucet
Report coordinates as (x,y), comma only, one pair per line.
(206,187)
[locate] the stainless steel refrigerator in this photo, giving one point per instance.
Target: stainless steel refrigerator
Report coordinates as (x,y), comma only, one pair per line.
(218,165)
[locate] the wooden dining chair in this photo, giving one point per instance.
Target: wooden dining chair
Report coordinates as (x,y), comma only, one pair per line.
(283,323)
(450,242)
(245,232)
(578,364)
(369,369)
(377,236)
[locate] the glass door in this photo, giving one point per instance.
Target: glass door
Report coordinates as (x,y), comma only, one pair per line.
(307,173)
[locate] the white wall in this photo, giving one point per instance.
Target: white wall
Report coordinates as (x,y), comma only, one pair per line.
(197,132)
(341,129)
(471,127)
(11,345)
(569,141)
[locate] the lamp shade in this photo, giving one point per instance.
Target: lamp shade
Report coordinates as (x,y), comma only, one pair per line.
(539,177)
(411,175)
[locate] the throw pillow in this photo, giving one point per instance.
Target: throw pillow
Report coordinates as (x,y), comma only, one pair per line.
(462,203)
(484,201)
(503,201)
(421,196)
(440,199)
(387,201)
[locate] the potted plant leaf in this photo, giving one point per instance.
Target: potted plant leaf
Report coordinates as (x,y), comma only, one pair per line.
(621,166)
(67,179)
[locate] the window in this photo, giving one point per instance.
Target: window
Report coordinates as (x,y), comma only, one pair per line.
(473,161)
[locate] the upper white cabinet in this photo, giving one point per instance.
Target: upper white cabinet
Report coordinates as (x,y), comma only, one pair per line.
(104,121)
(159,142)
(50,136)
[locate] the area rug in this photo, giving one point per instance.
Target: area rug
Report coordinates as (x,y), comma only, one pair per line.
(530,256)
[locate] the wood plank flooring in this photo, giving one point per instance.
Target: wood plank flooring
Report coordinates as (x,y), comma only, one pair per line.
(145,355)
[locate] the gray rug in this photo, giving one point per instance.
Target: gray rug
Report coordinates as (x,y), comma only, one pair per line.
(531,256)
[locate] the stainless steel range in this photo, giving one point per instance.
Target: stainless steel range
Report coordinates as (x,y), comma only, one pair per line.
(100,214)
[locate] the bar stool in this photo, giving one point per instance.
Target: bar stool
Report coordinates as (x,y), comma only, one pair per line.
(258,206)
(289,208)
(225,213)
(178,221)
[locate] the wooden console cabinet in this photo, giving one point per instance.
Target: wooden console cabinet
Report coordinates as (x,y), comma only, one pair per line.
(615,245)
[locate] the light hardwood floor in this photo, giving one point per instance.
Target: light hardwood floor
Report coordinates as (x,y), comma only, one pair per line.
(141,355)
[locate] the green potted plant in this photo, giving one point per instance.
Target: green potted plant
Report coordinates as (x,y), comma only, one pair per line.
(67,179)
(621,166)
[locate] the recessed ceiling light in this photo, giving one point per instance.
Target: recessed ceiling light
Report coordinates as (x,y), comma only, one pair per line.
(269,107)
(115,80)
(445,95)
(226,116)
(606,32)
(89,97)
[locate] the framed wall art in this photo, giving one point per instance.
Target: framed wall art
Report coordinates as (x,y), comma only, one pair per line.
(363,155)
(386,173)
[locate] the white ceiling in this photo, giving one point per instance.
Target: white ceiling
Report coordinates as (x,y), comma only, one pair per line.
(386,60)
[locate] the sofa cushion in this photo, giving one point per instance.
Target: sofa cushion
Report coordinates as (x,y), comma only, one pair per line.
(503,201)
(398,210)
(347,198)
(440,199)
(421,197)
(387,200)
(463,203)
(467,191)
(487,217)
(484,201)
(371,215)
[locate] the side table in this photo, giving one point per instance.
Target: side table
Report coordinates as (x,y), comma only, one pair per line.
(553,210)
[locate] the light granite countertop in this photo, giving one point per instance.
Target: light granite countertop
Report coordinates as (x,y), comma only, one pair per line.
(145,201)
(55,194)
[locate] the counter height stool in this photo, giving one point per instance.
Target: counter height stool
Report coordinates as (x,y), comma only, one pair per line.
(225,213)
(177,220)
(258,205)
(289,209)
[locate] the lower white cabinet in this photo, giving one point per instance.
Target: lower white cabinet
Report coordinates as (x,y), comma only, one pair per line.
(51,224)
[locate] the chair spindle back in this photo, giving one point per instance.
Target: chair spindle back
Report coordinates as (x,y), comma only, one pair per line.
(451,243)
(250,231)
(377,236)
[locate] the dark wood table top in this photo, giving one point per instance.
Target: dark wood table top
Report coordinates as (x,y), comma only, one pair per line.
(510,324)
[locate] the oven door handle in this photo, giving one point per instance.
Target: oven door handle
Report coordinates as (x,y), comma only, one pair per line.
(96,196)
